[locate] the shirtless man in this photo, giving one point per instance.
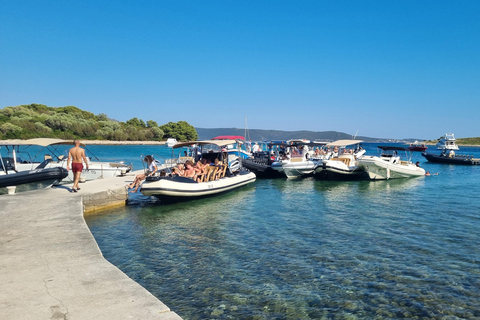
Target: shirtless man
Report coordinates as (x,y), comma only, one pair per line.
(77,154)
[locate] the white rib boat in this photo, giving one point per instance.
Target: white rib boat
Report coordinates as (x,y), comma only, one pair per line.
(389,165)
(169,187)
(343,165)
(300,159)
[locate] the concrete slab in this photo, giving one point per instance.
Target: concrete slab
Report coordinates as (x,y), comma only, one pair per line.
(51,266)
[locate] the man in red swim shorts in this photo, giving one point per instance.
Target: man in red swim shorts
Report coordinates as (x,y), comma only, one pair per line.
(77,155)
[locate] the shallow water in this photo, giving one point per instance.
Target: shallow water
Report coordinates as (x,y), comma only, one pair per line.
(307,249)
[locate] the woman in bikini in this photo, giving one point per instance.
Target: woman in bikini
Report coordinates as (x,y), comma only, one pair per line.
(152,168)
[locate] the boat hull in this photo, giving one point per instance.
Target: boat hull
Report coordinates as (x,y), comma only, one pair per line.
(459,159)
(262,169)
(329,170)
(33,179)
(295,169)
(379,169)
(173,189)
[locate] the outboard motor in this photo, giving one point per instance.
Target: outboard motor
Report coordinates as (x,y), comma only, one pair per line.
(235,165)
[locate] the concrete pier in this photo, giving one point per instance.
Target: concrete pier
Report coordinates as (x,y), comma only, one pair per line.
(51,266)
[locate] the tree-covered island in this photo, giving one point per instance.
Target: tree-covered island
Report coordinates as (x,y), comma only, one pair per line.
(40,121)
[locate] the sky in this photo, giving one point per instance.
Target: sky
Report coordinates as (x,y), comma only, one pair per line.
(384,69)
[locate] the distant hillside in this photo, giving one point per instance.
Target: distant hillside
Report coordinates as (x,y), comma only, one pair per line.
(259,135)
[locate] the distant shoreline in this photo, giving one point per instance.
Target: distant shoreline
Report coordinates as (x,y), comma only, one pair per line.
(108,142)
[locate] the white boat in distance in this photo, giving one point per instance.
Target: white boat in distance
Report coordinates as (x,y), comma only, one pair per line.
(169,187)
(171,142)
(343,164)
(447,142)
(389,165)
(49,147)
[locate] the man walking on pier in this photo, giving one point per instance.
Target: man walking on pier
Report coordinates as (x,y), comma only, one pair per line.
(77,154)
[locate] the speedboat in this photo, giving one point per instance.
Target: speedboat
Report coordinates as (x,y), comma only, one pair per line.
(171,142)
(170,187)
(260,162)
(54,150)
(343,164)
(447,142)
(416,146)
(300,159)
(451,158)
(389,164)
(40,177)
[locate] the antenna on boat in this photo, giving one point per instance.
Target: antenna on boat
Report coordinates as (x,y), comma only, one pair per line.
(247,134)
(355,136)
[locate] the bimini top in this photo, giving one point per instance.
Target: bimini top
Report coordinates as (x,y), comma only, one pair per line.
(204,142)
(228,138)
(44,142)
(341,143)
(393,148)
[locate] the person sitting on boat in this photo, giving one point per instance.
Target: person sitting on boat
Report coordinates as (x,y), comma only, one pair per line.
(152,168)
(178,170)
(190,171)
(201,170)
(451,154)
(220,167)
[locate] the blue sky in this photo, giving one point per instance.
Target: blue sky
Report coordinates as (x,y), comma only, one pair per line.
(394,69)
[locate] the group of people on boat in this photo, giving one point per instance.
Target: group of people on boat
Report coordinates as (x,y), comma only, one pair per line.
(196,171)
(193,170)
(199,170)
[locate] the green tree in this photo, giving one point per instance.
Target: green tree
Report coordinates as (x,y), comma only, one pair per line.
(152,124)
(139,123)
(10,131)
(182,131)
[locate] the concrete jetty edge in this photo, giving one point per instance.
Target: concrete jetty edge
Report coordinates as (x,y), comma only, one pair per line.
(51,266)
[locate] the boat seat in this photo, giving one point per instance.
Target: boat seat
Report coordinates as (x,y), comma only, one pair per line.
(346,161)
(208,175)
(47,157)
(44,163)
(299,159)
(214,173)
(222,171)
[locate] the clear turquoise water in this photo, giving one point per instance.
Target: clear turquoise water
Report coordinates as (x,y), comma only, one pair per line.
(307,249)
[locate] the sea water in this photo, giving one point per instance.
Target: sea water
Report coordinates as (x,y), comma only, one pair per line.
(307,249)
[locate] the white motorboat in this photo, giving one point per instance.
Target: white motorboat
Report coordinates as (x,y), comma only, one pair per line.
(389,164)
(170,187)
(447,142)
(300,159)
(343,164)
(171,142)
(49,148)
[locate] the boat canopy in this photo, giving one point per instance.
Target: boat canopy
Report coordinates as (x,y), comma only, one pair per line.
(228,138)
(204,142)
(43,142)
(342,143)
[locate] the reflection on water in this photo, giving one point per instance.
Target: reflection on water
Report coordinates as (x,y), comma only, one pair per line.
(307,249)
